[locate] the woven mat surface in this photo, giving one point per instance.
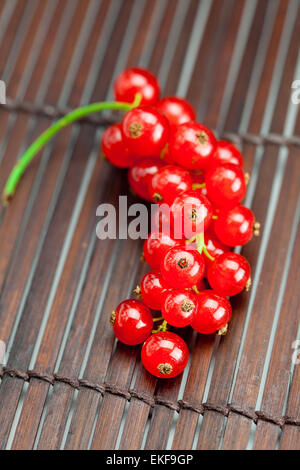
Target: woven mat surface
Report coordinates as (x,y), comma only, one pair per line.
(65,383)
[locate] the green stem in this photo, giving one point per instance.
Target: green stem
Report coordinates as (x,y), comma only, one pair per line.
(162,327)
(198,185)
(195,289)
(42,140)
(202,247)
(199,239)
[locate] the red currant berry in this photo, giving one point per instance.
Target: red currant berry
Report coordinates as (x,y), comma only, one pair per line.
(229,274)
(213,313)
(114,149)
(225,185)
(227,153)
(145,131)
(191,213)
(192,145)
(169,182)
(177,110)
(182,268)
(165,355)
(137,80)
(179,307)
(132,322)
(153,289)
(235,226)
(156,246)
(140,173)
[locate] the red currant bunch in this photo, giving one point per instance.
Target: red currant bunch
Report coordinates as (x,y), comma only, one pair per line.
(198,184)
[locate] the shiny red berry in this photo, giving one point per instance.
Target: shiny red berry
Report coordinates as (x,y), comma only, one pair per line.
(182,268)
(234,227)
(226,152)
(137,80)
(145,131)
(168,183)
(153,289)
(191,213)
(114,149)
(228,274)
(156,246)
(140,173)
(179,307)
(165,355)
(192,145)
(213,313)
(225,185)
(132,322)
(177,110)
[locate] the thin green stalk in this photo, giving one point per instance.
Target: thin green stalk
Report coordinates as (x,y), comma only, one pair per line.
(195,289)
(162,327)
(42,140)
(202,247)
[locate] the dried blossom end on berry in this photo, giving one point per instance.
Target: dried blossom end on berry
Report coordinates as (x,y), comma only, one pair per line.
(165,368)
(248,285)
(187,306)
(256,229)
(137,291)
(112,317)
(222,331)
(135,130)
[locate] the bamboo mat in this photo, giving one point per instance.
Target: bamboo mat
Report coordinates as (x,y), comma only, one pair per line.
(66,383)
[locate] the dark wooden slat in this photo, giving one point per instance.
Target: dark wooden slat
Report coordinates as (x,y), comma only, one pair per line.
(193,393)
(27,44)
(280,364)
(216,38)
(11,32)
(179,57)
(162,416)
(290,438)
(138,412)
